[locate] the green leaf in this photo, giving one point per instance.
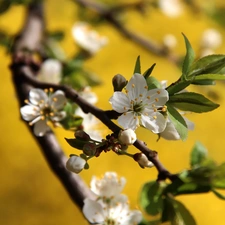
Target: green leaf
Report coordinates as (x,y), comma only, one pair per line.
(137,68)
(152,83)
(148,72)
(209,77)
(178,121)
(203,82)
(71,122)
(176,213)
(151,197)
(76,143)
(218,179)
(194,102)
(177,86)
(198,155)
(189,58)
(211,64)
(219,195)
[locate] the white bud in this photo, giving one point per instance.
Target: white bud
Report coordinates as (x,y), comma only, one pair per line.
(143,160)
(75,164)
(127,137)
(170,132)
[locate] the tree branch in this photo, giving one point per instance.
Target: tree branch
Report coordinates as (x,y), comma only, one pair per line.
(30,40)
(110,15)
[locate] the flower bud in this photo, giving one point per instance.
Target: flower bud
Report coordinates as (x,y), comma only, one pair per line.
(127,137)
(75,164)
(119,82)
(143,160)
(80,134)
(89,149)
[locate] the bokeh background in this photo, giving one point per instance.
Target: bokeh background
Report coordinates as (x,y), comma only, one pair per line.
(29,192)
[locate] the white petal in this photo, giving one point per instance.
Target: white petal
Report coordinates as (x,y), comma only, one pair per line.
(170,133)
(29,112)
(37,95)
(136,86)
(51,71)
(136,217)
(159,97)
(120,102)
(40,128)
(58,116)
(58,100)
(190,124)
(156,125)
(93,211)
(128,121)
(110,185)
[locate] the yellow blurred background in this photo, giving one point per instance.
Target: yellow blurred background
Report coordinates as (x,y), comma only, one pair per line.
(29,192)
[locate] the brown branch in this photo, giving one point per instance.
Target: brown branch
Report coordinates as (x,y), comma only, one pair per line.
(30,39)
(26,75)
(110,16)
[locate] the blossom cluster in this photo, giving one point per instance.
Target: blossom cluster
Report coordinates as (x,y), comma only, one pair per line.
(109,206)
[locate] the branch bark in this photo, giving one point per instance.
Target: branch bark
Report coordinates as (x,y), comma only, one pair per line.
(29,40)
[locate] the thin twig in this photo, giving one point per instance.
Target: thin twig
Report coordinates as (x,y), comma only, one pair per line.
(111,17)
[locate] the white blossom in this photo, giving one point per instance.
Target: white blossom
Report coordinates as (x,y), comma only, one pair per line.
(211,39)
(127,137)
(50,71)
(142,104)
(170,132)
(75,164)
(171,8)
(42,107)
(115,212)
(87,38)
(108,186)
(90,123)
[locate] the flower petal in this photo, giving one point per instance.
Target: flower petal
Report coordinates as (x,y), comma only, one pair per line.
(93,211)
(29,112)
(128,120)
(40,128)
(36,96)
(58,100)
(157,96)
(120,102)
(136,86)
(156,123)
(170,133)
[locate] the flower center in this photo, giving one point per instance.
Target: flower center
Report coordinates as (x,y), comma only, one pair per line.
(138,107)
(110,221)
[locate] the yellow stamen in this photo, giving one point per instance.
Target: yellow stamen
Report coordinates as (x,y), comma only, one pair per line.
(153,105)
(155,117)
(158,92)
(156,99)
(135,117)
(133,85)
(146,114)
(55,99)
(46,90)
(146,87)
(125,114)
(155,110)
(42,118)
(148,97)
(125,108)
(26,101)
(51,89)
(141,95)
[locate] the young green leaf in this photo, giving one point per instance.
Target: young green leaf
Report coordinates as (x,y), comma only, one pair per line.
(198,155)
(178,121)
(209,77)
(151,197)
(137,68)
(218,180)
(175,212)
(193,102)
(148,72)
(189,58)
(177,86)
(211,64)
(76,143)
(152,83)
